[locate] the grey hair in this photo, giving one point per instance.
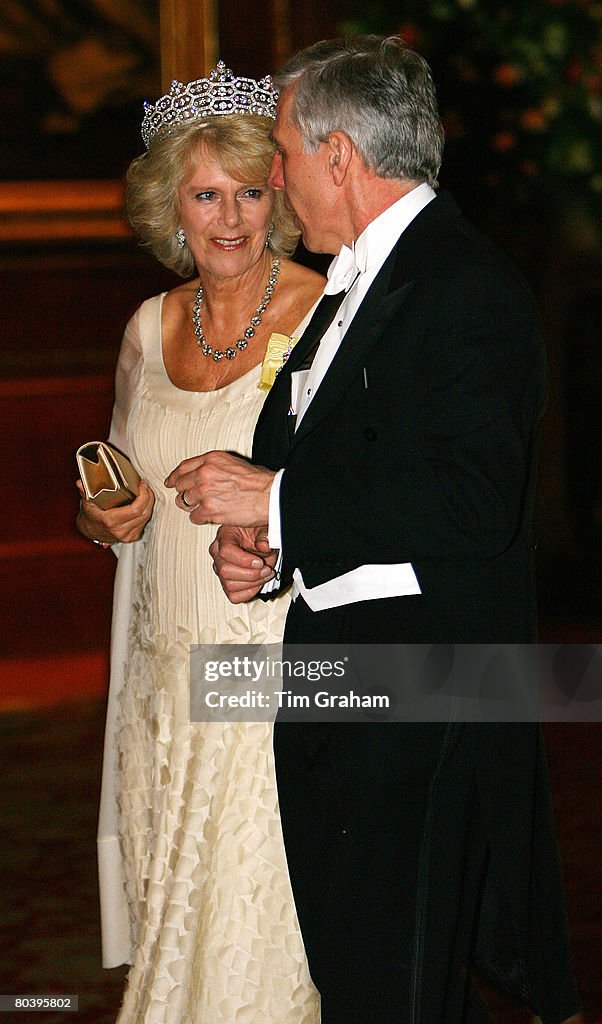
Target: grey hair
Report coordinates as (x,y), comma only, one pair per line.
(377,91)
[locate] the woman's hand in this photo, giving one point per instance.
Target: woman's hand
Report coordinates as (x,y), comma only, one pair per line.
(115,525)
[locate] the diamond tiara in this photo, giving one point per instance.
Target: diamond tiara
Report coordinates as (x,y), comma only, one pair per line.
(221,93)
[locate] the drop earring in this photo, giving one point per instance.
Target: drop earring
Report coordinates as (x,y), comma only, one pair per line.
(180,238)
(269,235)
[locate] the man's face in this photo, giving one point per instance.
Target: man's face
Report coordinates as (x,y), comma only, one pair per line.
(309,191)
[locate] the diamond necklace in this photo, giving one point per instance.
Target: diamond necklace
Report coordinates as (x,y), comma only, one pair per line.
(217,353)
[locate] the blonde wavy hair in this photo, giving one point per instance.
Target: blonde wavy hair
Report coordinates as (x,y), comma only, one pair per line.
(241,144)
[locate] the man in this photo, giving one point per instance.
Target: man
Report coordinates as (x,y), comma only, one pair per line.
(392,477)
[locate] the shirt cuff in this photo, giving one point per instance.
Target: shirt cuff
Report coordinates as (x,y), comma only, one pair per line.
(274,583)
(274,532)
(274,528)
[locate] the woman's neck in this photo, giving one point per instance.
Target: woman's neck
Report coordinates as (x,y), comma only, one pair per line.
(224,297)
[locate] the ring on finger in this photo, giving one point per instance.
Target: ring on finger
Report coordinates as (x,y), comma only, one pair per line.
(183,500)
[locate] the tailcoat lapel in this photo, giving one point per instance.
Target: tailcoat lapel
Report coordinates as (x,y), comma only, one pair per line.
(271,441)
(391,287)
(368,326)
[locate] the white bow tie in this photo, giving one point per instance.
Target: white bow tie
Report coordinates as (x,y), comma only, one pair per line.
(343,271)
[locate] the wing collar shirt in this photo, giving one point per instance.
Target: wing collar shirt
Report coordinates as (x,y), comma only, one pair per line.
(352,271)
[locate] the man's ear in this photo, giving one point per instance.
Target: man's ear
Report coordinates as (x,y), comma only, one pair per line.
(340,151)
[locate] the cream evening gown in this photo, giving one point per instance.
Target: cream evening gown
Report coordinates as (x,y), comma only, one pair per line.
(189,825)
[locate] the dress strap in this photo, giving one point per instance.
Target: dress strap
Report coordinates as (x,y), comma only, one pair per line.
(151,335)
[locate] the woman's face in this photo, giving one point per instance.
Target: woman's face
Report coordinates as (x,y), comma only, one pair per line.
(225,221)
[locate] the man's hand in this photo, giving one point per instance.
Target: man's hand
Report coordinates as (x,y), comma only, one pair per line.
(221,488)
(243,561)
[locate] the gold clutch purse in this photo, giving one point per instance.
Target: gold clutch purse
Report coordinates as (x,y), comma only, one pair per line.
(108,476)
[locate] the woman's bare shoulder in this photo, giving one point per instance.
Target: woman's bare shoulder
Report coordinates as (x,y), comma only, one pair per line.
(180,295)
(303,276)
(299,289)
(177,301)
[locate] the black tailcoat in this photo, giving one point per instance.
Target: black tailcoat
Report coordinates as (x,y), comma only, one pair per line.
(419,447)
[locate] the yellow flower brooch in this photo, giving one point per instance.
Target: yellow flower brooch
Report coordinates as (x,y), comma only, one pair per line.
(278,350)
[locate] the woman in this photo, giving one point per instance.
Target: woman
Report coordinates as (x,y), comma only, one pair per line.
(189,822)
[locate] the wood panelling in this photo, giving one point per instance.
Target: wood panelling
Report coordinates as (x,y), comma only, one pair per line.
(55,587)
(42,210)
(42,423)
(188,39)
(64,311)
(64,308)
